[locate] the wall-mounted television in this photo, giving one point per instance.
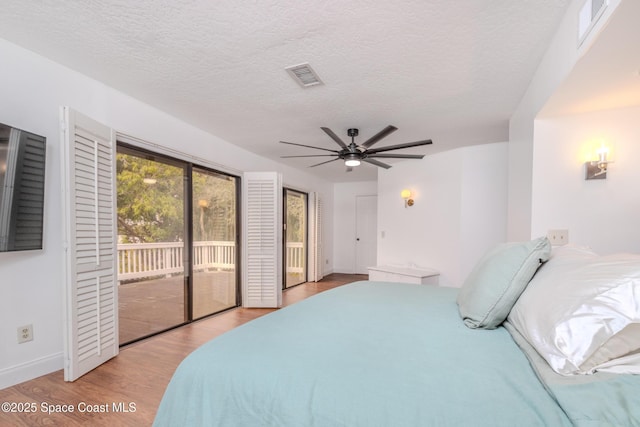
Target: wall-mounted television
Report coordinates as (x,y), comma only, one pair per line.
(22,162)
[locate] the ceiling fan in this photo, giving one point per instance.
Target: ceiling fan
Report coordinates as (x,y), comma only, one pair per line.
(353,154)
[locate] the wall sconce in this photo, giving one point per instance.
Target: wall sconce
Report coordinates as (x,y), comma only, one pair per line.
(597,169)
(406,195)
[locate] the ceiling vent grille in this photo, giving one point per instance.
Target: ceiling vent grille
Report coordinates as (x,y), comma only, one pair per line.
(304,75)
(589,15)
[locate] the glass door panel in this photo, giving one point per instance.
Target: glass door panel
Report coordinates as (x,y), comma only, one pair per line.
(295,237)
(151,249)
(214,242)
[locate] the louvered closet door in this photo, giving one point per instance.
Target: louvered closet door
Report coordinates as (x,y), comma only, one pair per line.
(316,256)
(92,299)
(262,237)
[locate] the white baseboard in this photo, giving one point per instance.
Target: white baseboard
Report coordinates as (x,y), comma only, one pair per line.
(30,370)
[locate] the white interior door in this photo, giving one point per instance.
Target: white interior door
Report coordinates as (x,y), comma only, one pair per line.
(91,302)
(366,232)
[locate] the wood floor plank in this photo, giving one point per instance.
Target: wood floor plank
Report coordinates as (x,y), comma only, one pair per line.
(136,379)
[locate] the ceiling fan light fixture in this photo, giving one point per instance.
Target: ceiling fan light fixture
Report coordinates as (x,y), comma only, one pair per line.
(351,160)
(353,154)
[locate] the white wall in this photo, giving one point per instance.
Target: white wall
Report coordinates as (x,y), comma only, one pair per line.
(31,291)
(556,64)
(602,214)
(344,222)
(561,56)
(483,207)
(459,212)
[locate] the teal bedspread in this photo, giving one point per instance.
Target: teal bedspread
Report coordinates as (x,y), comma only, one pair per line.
(365,354)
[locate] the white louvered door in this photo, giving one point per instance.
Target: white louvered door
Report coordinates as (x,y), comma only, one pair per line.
(315,238)
(91,336)
(262,238)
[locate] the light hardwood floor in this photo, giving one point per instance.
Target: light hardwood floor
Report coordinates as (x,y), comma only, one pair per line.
(136,379)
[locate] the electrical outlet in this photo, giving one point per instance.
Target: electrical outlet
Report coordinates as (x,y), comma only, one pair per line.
(558,237)
(25,333)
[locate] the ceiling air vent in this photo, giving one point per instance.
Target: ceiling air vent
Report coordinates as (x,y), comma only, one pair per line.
(589,15)
(304,75)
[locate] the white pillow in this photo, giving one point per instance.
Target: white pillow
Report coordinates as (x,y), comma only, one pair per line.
(581,312)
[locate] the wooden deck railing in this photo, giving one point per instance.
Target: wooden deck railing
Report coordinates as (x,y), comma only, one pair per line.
(139,260)
(295,257)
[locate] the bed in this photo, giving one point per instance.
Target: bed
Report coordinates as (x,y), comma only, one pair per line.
(385,354)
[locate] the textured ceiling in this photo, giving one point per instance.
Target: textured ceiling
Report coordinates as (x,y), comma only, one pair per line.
(452,71)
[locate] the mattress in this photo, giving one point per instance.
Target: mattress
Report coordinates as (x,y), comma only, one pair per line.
(366,354)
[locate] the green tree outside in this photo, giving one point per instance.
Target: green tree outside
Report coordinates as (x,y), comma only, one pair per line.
(151,202)
(296,217)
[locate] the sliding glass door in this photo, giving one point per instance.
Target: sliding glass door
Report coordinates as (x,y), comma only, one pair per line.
(295,237)
(151,234)
(177,242)
(215,237)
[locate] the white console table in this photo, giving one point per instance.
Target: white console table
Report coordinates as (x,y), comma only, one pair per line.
(405,275)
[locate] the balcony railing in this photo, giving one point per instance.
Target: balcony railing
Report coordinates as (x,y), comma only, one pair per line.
(295,257)
(140,260)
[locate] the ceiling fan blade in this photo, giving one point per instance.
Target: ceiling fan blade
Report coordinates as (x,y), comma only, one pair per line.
(377,163)
(310,155)
(328,161)
(378,136)
(396,156)
(308,146)
(335,137)
(399,146)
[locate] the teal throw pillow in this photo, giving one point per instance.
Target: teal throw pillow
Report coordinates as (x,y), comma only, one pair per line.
(496,282)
